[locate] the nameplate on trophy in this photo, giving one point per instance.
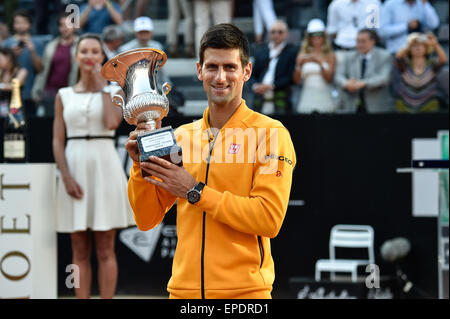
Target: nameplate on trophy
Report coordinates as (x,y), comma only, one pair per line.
(152,142)
(160,143)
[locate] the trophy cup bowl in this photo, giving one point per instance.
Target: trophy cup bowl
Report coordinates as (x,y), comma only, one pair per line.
(135,72)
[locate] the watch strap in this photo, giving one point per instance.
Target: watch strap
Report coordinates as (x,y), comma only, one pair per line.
(199,187)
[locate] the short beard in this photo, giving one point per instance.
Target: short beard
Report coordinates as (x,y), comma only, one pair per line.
(220,99)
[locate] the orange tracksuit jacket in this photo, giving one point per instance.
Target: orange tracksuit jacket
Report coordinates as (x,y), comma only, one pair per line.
(223,249)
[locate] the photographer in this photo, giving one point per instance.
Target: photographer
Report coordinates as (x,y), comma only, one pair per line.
(28,51)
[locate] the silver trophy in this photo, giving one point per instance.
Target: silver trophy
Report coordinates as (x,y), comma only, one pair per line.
(135,72)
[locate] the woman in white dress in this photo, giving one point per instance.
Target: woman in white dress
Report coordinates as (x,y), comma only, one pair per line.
(92,197)
(314,68)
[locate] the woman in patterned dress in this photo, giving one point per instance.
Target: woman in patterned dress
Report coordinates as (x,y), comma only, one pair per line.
(418,86)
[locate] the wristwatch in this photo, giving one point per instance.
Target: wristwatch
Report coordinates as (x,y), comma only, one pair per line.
(194,194)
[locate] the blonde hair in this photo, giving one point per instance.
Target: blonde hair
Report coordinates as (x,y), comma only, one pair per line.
(421,38)
(307,47)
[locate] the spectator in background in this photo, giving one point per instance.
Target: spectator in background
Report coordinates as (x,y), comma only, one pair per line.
(28,51)
(113,37)
(220,11)
(402,17)
(185,6)
(315,68)
(59,67)
(143,32)
(273,71)
(97,14)
(347,17)
(263,16)
(364,76)
(9,69)
(418,89)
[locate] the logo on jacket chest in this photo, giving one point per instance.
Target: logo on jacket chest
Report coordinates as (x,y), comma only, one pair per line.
(234,148)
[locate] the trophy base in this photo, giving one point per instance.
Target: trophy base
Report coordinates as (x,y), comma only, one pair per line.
(160,143)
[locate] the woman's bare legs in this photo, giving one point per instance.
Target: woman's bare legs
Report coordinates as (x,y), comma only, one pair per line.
(107,263)
(81,256)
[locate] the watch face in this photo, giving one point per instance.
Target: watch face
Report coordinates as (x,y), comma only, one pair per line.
(193,197)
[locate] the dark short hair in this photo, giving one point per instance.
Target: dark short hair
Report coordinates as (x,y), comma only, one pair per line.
(24,14)
(371,32)
(225,36)
(12,57)
(62,15)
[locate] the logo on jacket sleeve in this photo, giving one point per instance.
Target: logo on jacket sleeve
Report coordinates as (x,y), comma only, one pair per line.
(281,158)
(234,148)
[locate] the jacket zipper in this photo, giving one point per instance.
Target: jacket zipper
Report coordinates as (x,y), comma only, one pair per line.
(202,265)
(261,251)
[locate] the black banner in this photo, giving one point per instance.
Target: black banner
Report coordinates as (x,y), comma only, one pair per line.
(346,174)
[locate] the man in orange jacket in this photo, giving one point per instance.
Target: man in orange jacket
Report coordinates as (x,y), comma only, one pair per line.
(233,189)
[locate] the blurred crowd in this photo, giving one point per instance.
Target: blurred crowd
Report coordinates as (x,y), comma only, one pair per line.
(362,56)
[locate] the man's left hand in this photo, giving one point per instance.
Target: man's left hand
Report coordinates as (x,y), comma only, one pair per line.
(174,179)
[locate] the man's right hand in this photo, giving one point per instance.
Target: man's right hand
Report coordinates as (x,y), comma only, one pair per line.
(131,144)
(350,85)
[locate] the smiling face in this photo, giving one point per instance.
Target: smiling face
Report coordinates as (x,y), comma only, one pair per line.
(223,76)
(89,54)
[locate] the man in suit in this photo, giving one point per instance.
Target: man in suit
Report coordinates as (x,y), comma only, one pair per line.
(273,71)
(364,76)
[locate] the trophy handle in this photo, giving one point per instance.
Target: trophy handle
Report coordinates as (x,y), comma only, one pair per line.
(166,87)
(118,100)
